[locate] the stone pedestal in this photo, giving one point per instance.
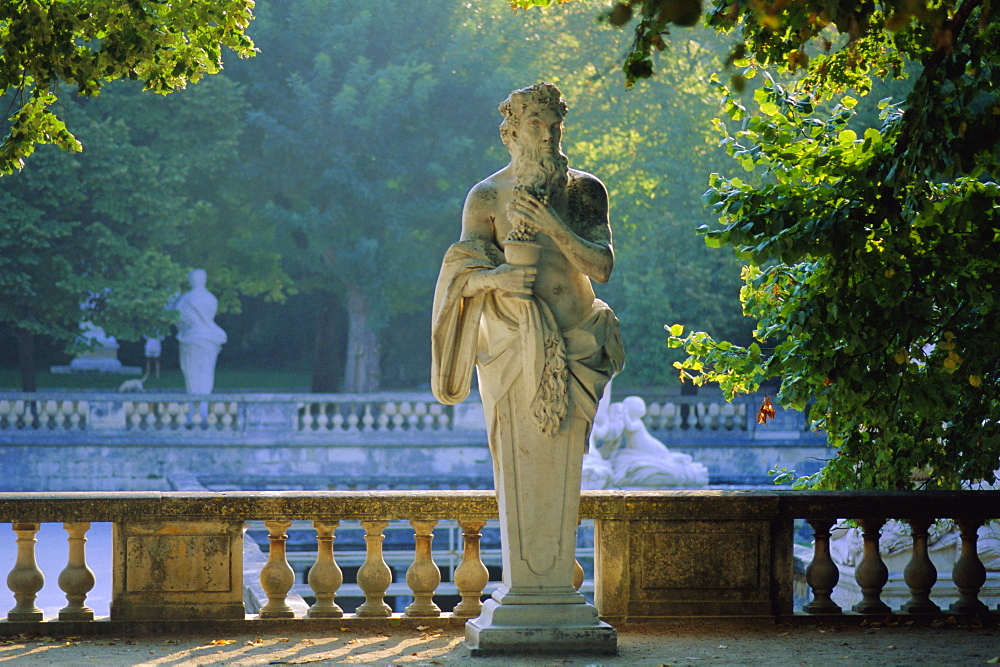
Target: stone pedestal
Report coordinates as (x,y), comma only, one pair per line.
(537,609)
(534,626)
(177,570)
(102,357)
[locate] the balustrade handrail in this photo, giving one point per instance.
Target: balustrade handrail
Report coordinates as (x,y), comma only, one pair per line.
(444,504)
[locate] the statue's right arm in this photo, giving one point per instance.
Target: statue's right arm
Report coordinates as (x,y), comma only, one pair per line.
(478,217)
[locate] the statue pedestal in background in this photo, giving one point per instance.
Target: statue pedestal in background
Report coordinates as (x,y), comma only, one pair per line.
(544,348)
(101,358)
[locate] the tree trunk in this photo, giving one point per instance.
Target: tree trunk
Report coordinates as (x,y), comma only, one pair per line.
(26,359)
(327,361)
(362,372)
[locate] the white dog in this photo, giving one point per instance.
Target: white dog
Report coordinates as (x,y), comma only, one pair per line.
(134,386)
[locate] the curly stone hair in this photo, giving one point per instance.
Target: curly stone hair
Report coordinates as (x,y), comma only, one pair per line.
(538,95)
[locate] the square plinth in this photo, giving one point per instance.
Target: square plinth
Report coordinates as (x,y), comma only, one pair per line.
(518,629)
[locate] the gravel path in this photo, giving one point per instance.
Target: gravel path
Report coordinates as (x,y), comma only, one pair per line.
(680,643)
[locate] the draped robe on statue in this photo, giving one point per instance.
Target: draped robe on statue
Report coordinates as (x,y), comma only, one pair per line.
(539,385)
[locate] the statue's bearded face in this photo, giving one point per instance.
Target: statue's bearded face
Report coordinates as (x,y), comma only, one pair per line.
(538,161)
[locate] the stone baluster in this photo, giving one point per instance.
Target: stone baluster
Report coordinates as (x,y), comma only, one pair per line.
(22,411)
(25,580)
(423,576)
(175,413)
(871,573)
(578,575)
(130,415)
(920,573)
(969,573)
(822,574)
(374,576)
(700,416)
(413,419)
(434,420)
(51,419)
(277,577)
(229,415)
(398,419)
(76,579)
(323,416)
(471,575)
(352,418)
(325,576)
(211,416)
(76,416)
(714,412)
(669,415)
(367,419)
(417,421)
(337,420)
(385,411)
(143,410)
(728,413)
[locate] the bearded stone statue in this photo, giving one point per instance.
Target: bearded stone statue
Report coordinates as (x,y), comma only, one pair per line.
(514,300)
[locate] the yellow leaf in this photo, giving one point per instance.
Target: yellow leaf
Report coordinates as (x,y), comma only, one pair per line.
(975,380)
(221,642)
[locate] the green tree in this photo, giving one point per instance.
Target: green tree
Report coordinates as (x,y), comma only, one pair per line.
(872,251)
(116,224)
(69,236)
(653,147)
(355,157)
(85,44)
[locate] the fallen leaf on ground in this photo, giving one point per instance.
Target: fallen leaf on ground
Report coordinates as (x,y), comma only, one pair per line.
(221,642)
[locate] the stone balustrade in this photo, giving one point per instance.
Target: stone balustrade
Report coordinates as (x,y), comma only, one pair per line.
(179,556)
(312,416)
(305,415)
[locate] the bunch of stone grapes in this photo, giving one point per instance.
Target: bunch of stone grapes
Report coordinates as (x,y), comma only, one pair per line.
(521,231)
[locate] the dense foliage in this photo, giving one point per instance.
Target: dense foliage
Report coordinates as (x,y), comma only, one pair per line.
(873,249)
(331,169)
(46,44)
(114,226)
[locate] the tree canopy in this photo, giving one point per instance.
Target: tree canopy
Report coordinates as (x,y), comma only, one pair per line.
(46,44)
(108,227)
(873,248)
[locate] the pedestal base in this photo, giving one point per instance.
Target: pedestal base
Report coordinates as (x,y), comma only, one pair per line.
(539,628)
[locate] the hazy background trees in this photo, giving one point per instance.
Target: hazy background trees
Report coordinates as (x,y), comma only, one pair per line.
(320,182)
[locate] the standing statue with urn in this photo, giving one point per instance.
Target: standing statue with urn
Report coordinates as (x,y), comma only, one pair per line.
(514,299)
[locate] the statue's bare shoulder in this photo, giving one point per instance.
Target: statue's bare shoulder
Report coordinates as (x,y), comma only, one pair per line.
(482,206)
(588,206)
